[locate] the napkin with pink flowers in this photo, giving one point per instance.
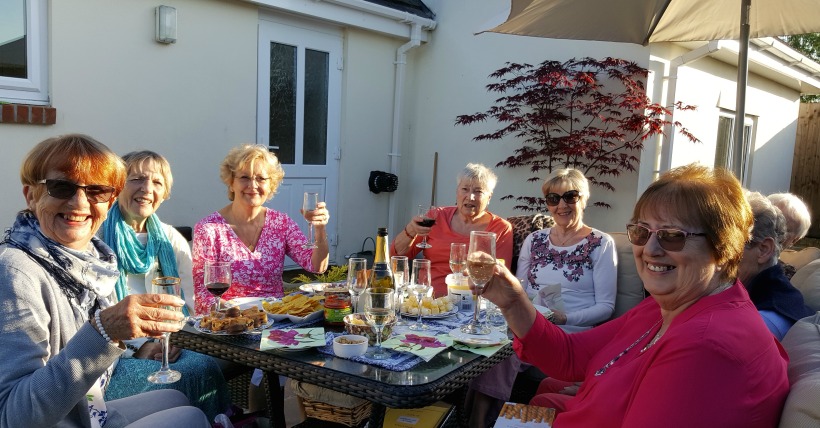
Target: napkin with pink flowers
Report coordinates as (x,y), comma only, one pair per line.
(421,345)
(292,338)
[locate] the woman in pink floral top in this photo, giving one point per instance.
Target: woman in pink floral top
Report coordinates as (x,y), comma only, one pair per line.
(255,239)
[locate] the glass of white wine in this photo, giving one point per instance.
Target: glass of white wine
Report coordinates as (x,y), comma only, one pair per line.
(458,258)
(400,265)
(166,285)
(378,309)
(480,265)
(310,203)
(356,279)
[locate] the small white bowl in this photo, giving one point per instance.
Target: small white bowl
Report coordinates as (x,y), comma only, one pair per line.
(356,345)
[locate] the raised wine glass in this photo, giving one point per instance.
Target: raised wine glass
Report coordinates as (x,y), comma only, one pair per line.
(356,279)
(480,265)
(428,219)
(378,309)
(217,279)
(310,203)
(420,285)
(458,258)
(166,285)
(400,266)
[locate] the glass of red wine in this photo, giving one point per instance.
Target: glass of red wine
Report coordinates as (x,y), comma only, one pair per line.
(428,219)
(217,279)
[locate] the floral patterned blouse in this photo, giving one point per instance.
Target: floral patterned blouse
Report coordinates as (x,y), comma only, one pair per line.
(255,273)
(587,272)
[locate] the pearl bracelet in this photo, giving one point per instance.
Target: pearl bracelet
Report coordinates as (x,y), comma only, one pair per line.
(101,329)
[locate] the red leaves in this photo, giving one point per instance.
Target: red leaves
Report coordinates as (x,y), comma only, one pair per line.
(588,114)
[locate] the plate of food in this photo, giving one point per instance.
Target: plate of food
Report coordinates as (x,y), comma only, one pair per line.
(316,287)
(295,307)
(247,302)
(494,338)
(441,307)
(233,321)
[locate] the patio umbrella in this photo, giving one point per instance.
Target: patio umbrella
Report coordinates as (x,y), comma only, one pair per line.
(647,21)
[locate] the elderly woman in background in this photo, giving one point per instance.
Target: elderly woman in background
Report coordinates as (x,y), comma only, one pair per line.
(798,221)
(579,258)
(779,303)
(697,352)
(146,248)
(255,239)
(474,189)
(60,328)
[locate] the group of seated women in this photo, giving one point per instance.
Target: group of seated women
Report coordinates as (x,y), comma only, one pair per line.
(78,318)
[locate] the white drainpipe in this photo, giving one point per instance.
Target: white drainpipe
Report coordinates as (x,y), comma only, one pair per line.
(672,82)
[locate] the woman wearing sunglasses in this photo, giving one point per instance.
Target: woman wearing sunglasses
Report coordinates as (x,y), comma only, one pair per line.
(694,354)
(582,260)
(147,248)
(60,328)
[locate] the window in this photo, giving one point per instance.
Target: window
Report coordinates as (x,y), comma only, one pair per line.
(23,51)
(725,145)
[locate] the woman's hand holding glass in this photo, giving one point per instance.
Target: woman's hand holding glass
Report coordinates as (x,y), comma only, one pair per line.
(356,279)
(309,204)
(426,218)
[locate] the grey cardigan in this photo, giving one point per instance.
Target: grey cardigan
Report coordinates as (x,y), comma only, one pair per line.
(48,358)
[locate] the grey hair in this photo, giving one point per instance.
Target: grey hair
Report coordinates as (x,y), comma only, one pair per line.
(798,218)
(480,173)
(769,222)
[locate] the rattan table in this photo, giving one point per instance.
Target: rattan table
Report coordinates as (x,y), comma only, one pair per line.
(423,385)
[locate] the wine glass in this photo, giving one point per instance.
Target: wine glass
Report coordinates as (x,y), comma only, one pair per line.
(378,309)
(480,265)
(166,285)
(428,219)
(400,266)
(217,279)
(421,286)
(310,203)
(458,258)
(356,279)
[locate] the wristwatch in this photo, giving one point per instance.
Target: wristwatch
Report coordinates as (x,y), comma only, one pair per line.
(550,317)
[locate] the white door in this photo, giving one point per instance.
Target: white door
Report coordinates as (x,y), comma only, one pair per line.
(299,104)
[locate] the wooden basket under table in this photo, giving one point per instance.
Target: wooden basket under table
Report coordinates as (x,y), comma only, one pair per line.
(351,417)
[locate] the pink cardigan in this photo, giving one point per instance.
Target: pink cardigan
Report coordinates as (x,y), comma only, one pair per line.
(716,366)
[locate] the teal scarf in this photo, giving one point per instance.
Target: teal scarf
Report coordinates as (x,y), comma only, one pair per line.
(132,256)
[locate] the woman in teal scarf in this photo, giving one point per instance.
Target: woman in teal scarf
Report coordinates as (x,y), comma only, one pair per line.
(147,248)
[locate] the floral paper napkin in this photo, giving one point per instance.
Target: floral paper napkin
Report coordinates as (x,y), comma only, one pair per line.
(292,338)
(420,345)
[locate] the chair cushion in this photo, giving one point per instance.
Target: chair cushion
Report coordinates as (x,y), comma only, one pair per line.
(807,280)
(523,225)
(630,287)
(801,258)
(802,343)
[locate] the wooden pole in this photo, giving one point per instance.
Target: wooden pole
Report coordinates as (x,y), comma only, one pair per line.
(435,172)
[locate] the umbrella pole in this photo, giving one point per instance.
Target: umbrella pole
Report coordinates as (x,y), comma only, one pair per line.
(738,158)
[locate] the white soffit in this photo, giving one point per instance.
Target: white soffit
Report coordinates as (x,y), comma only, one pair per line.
(353,13)
(772,59)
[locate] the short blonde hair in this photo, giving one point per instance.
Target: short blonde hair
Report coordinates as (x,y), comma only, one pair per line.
(243,156)
(570,177)
(798,217)
(711,200)
(134,159)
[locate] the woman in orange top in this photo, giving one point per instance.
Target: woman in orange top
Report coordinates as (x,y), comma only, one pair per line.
(454,224)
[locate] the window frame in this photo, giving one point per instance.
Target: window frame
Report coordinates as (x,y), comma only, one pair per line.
(749,131)
(34,89)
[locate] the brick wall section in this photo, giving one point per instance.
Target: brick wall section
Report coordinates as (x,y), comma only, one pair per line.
(28,114)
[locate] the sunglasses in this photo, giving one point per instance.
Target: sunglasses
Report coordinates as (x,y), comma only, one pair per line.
(569,197)
(64,189)
(669,239)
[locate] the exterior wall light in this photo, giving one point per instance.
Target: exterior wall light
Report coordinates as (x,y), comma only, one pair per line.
(166,24)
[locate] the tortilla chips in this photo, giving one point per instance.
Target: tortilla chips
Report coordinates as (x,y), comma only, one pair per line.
(295,304)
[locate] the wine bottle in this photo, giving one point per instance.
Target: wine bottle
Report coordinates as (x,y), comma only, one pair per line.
(381,276)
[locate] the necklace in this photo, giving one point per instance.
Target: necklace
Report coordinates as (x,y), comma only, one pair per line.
(571,237)
(603,369)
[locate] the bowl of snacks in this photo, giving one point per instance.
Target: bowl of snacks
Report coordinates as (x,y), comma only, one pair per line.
(349,345)
(357,324)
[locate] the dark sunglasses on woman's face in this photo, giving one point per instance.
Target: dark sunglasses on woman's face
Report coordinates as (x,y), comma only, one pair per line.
(64,189)
(669,239)
(569,197)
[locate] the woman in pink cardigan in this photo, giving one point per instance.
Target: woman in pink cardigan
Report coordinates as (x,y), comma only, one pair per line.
(695,354)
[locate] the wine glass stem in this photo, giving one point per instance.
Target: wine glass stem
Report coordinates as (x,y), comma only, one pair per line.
(310,233)
(378,339)
(477,308)
(419,322)
(166,338)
